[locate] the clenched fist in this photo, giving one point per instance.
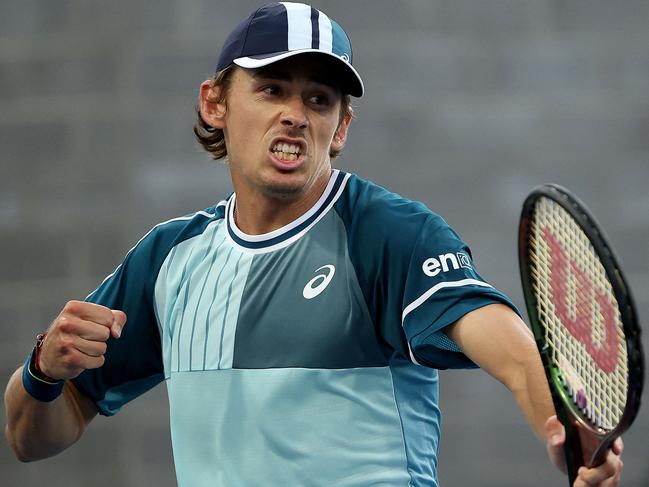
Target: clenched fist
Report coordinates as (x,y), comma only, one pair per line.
(76,339)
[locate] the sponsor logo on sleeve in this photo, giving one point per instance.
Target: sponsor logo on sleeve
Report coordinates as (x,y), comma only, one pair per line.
(446,262)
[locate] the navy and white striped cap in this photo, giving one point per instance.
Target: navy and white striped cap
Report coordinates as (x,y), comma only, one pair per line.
(280,30)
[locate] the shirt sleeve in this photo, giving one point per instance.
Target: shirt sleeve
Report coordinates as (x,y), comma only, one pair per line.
(441,286)
(133,362)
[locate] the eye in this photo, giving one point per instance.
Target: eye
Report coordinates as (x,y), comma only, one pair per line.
(320,99)
(271,90)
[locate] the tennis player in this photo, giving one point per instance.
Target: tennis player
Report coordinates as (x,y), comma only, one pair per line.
(299,323)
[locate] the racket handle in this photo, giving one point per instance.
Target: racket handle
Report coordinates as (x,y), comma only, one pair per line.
(583,448)
(573,451)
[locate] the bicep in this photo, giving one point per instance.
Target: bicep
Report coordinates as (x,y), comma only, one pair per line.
(496,339)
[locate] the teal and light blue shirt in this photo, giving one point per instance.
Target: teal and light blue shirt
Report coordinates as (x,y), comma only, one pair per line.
(307,356)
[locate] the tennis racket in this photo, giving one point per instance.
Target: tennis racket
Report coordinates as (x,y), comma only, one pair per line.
(584,322)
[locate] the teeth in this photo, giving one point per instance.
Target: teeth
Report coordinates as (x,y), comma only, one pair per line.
(285,156)
(286,148)
(286,152)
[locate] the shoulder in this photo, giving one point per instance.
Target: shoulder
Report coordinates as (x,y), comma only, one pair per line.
(144,259)
(170,233)
(374,212)
(150,251)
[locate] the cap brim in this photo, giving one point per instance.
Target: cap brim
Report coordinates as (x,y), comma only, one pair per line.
(351,84)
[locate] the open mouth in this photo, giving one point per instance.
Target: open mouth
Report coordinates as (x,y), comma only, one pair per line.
(286,152)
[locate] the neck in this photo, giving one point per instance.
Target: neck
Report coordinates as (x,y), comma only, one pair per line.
(259,214)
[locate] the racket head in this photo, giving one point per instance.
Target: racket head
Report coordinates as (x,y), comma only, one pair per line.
(540,240)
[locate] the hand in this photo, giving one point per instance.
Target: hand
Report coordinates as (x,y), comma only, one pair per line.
(76,339)
(605,475)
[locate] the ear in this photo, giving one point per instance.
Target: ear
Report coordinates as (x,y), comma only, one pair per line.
(340,136)
(212,111)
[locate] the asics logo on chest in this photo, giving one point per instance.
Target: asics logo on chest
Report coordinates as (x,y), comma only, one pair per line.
(318,284)
(445,262)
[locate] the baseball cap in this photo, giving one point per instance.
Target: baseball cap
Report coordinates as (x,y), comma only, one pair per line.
(284,29)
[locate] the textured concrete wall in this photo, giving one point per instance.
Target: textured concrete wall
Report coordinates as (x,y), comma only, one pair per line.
(469,104)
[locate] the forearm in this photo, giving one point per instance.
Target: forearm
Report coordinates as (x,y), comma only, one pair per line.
(74,342)
(36,429)
(496,339)
(531,392)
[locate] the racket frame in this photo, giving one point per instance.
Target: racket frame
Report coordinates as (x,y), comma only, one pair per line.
(585,443)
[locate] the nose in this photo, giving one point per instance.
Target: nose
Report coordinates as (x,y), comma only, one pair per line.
(294,114)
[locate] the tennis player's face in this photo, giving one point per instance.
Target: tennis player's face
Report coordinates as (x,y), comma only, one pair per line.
(280,123)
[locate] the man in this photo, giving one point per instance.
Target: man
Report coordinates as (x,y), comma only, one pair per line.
(299,324)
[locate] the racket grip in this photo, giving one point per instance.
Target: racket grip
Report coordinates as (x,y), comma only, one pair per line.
(573,452)
(583,449)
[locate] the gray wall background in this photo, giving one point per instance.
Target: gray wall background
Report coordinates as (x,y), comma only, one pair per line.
(469,104)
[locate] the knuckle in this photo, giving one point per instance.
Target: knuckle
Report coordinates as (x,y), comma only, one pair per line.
(66,344)
(619,467)
(72,306)
(99,362)
(105,333)
(66,325)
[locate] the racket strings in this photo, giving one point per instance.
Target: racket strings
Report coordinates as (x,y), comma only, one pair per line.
(581,318)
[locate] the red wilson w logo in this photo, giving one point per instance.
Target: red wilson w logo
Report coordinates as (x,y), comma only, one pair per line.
(590,302)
